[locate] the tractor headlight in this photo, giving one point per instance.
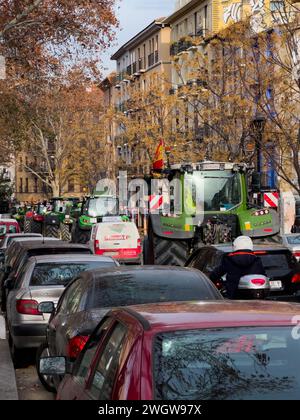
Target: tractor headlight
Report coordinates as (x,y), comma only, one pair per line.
(262,212)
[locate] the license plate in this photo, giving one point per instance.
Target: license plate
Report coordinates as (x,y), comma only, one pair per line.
(276,284)
(110,254)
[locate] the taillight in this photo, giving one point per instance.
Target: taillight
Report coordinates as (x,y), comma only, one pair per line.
(258,282)
(75,345)
(139,245)
(97,245)
(296,254)
(38,218)
(219,285)
(27,307)
(296,278)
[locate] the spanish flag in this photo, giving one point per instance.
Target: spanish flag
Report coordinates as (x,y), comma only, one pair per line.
(159,156)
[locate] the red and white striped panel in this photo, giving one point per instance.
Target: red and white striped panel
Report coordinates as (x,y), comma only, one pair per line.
(271,199)
(155,203)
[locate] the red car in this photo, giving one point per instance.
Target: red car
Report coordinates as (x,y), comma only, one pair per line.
(8,226)
(188,351)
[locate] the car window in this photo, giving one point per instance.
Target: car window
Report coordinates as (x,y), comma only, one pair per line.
(20,276)
(53,274)
(86,357)
(243,363)
(107,366)
(71,300)
(213,260)
(125,289)
(275,263)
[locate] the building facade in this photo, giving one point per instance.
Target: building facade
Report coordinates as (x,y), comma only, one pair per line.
(142,61)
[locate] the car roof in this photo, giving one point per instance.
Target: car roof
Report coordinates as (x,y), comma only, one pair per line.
(256,247)
(49,244)
(139,270)
(71,257)
(23,235)
(209,314)
(8,220)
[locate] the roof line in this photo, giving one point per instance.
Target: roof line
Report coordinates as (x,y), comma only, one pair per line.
(145,323)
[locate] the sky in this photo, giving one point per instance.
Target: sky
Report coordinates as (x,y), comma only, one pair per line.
(135,15)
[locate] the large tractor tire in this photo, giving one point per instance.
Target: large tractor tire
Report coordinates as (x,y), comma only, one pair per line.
(27,225)
(80,236)
(36,227)
(161,251)
(65,234)
(52,231)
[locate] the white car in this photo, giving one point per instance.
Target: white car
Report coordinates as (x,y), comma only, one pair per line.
(117,239)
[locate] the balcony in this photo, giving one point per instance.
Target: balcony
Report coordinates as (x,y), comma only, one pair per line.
(184,44)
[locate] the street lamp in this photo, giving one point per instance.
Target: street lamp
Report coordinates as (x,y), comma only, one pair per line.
(259,123)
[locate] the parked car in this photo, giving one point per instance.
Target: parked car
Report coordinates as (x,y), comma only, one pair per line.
(8,226)
(41,277)
(292,242)
(226,350)
(280,265)
(24,250)
(11,236)
(89,297)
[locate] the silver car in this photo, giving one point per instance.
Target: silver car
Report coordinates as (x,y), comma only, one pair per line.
(42,278)
(292,241)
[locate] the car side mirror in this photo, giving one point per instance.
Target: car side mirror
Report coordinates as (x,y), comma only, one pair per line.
(53,366)
(46,307)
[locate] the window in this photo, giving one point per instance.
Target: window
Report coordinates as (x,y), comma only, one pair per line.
(83,364)
(243,363)
(277,5)
(71,300)
(107,366)
(21,185)
(26,185)
(55,274)
(20,276)
(35,185)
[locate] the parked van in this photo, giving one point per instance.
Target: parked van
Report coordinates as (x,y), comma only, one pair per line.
(117,239)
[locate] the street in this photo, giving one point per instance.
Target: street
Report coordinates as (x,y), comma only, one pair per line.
(28,384)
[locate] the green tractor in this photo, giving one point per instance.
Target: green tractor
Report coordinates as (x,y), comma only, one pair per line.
(93,210)
(223,213)
(58,222)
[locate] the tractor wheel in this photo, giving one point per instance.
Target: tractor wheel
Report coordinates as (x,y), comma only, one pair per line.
(27,226)
(52,231)
(161,251)
(65,234)
(80,236)
(36,227)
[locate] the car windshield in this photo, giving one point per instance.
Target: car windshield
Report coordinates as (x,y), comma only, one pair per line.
(227,363)
(60,274)
(293,240)
(276,263)
(147,287)
(102,206)
(221,189)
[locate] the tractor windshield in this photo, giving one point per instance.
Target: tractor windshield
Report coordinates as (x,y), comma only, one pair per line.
(222,189)
(102,206)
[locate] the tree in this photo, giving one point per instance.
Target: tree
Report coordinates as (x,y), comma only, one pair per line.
(39,35)
(61,117)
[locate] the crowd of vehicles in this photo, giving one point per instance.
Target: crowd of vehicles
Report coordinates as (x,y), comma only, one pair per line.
(113,315)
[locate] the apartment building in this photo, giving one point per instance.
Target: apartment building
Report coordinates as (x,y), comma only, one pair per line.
(143,60)
(30,188)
